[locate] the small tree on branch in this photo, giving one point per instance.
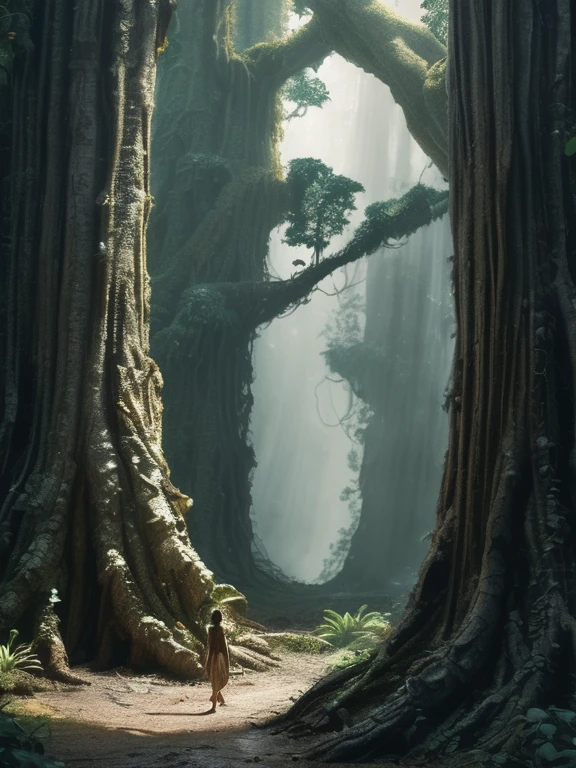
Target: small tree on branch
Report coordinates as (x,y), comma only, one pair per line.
(320,203)
(305,91)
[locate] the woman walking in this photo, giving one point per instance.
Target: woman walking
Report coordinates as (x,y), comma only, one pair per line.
(217,659)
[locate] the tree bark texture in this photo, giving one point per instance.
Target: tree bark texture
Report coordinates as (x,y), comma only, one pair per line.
(88,508)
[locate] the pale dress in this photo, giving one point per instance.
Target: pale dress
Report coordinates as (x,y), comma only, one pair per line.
(218,659)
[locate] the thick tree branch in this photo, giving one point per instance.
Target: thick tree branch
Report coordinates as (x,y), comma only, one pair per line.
(403,55)
(279,60)
(388,222)
(242,307)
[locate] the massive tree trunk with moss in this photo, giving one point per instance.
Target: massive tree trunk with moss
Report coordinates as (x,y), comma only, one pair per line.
(95,558)
(489,629)
(219,191)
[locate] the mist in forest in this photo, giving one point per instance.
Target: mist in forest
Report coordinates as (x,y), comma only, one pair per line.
(305,487)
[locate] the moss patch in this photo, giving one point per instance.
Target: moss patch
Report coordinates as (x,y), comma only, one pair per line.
(31,713)
(290,641)
(345,658)
(20,683)
(226,596)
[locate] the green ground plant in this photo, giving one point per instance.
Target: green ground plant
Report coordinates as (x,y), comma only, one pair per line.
(345,658)
(297,643)
(19,657)
(360,631)
(550,738)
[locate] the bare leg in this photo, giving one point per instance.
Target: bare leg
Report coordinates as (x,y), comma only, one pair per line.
(221,699)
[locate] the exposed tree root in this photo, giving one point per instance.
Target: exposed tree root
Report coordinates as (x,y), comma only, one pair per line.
(50,649)
(251,659)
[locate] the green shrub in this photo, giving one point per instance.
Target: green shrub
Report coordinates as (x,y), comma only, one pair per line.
(20,657)
(550,737)
(358,632)
(18,683)
(297,643)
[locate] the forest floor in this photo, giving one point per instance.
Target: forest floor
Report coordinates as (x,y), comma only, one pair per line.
(123,720)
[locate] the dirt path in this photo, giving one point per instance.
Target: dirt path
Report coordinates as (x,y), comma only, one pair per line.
(127,721)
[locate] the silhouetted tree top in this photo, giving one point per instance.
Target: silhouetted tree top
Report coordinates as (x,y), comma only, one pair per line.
(320,203)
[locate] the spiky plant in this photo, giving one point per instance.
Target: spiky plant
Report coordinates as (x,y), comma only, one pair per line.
(363,630)
(20,657)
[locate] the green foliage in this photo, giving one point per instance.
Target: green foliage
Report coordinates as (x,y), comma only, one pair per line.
(305,91)
(320,203)
(19,749)
(345,659)
(358,632)
(296,643)
(570,148)
(20,657)
(21,683)
(550,737)
(436,18)
(398,218)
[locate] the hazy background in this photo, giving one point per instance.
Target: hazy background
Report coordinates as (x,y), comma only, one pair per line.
(302,462)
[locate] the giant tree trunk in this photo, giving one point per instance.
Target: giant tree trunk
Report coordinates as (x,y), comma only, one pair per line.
(489,629)
(88,508)
(218,195)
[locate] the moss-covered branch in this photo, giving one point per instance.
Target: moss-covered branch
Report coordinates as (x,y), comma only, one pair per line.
(279,60)
(384,223)
(242,307)
(404,55)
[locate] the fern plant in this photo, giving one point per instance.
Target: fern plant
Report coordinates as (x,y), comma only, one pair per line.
(358,632)
(19,657)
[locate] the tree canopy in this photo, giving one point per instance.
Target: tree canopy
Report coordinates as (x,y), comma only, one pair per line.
(305,91)
(436,18)
(320,203)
